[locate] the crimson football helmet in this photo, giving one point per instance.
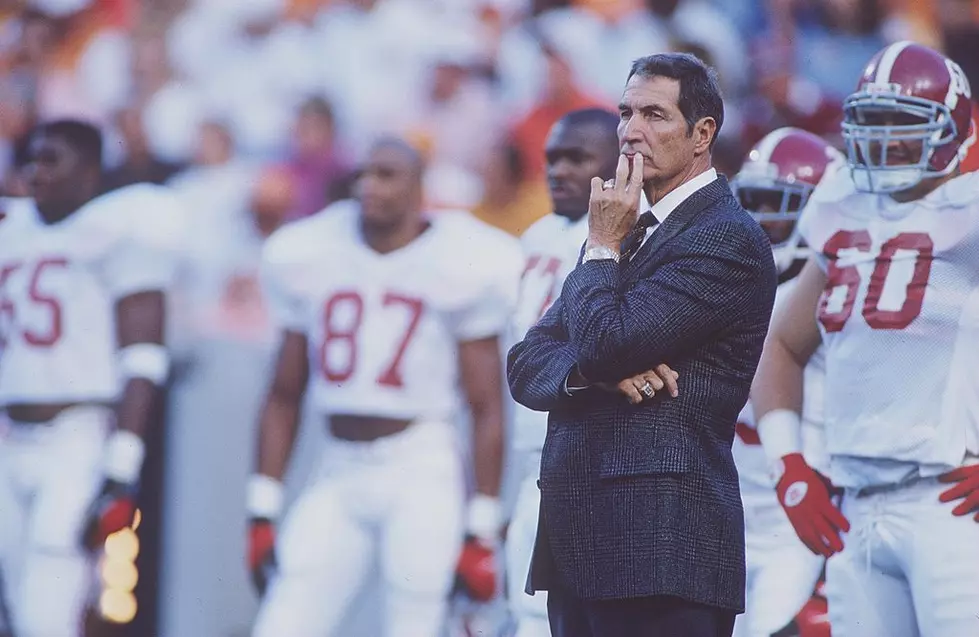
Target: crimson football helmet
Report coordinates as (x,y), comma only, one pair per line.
(908,120)
(775,182)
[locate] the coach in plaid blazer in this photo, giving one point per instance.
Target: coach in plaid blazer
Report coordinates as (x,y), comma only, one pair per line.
(641,529)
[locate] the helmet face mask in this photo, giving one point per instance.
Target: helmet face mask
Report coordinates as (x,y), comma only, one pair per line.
(776,206)
(891,139)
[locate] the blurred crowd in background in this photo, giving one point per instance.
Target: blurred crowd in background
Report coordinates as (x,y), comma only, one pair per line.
(265,106)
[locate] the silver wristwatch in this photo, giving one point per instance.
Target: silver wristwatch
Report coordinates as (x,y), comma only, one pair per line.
(599,252)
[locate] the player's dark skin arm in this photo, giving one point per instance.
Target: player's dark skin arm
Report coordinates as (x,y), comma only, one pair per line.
(481,370)
(140,318)
(279,420)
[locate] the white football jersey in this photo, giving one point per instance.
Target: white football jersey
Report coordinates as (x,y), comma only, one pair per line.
(384,329)
(551,247)
(900,324)
(59,285)
(754,470)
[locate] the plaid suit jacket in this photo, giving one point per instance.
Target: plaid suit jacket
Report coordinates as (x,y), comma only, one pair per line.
(640,500)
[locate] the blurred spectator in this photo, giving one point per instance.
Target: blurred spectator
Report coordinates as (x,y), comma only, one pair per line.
(601,38)
(139,164)
(218,183)
(221,296)
(785,97)
(511,201)
(320,169)
(172,109)
(828,41)
(380,87)
(562,94)
(699,23)
(86,72)
(272,199)
(959,20)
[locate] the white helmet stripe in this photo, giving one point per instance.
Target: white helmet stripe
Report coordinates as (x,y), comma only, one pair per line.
(887,60)
(768,145)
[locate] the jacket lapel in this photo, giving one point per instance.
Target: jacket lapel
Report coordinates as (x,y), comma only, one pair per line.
(679,219)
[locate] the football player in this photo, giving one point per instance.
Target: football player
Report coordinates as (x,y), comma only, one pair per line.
(385,312)
(581,145)
(82,300)
(774,184)
(891,293)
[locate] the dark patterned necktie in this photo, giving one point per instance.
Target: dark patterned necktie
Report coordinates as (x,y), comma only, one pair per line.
(633,240)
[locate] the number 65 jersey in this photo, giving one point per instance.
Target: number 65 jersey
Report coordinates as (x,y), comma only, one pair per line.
(383,329)
(899,318)
(59,285)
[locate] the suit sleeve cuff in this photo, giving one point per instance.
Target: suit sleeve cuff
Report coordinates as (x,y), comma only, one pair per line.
(569,389)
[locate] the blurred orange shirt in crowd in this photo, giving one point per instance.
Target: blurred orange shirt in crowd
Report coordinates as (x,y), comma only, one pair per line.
(532,202)
(530,133)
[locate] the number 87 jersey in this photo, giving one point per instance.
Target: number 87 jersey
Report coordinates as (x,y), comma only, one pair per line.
(899,317)
(383,329)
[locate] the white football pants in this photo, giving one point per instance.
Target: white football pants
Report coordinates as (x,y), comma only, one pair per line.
(781,572)
(529,611)
(399,499)
(909,567)
(49,475)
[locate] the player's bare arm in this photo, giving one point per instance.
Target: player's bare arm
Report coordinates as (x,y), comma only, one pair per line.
(277,427)
(140,320)
(145,364)
(280,415)
(792,339)
(776,394)
(481,369)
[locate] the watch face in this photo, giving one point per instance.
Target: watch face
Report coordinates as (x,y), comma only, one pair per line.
(600,252)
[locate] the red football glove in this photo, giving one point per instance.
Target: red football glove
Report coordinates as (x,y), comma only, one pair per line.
(966,489)
(113,510)
(261,552)
(476,571)
(804,494)
(813,619)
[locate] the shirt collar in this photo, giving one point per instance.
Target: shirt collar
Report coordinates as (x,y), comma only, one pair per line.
(662,209)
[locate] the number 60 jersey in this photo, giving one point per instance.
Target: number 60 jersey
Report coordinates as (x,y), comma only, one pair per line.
(383,329)
(899,318)
(59,284)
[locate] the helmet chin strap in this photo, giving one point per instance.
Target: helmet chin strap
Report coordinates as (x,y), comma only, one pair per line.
(886,181)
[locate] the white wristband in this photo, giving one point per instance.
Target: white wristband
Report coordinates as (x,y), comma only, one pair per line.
(780,431)
(123,460)
(145,360)
(483,520)
(264,497)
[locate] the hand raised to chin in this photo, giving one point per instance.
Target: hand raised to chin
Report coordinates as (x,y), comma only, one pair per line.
(613,210)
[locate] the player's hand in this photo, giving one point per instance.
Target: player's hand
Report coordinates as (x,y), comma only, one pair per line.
(113,510)
(804,493)
(966,481)
(261,552)
(613,211)
(476,571)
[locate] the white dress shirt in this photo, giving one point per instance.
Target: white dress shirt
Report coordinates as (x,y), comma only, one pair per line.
(662,208)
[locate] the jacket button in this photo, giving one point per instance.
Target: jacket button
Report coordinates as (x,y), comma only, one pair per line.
(538,484)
